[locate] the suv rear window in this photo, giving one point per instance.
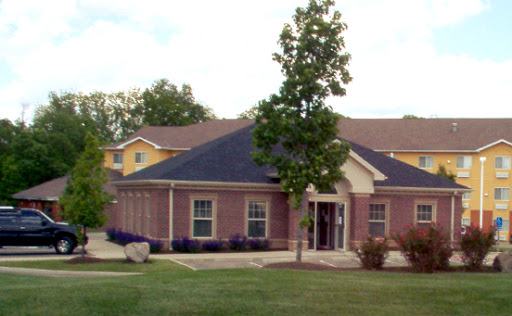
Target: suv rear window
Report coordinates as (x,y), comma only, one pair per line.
(7,218)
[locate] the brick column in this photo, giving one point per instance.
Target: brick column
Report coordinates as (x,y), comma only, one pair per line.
(359,216)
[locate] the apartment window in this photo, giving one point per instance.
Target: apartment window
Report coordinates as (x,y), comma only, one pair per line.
(466,196)
(424,213)
(502,162)
(466,221)
(501,194)
(377,220)
(426,162)
(202,225)
(257,219)
(464,162)
(141,157)
(118,158)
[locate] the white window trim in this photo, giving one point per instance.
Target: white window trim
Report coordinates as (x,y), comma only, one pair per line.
(427,159)
(205,197)
(466,199)
(118,155)
(386,217)
(144,157)
(434,211)
(266,219)
(501,193)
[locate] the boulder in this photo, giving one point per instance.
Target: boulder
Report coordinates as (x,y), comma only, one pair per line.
(137,251)
(503,262)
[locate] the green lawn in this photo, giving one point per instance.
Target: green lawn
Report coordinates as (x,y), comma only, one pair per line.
(170,289)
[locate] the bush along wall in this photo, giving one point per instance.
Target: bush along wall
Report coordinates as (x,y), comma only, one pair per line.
(124,238)
(236,242)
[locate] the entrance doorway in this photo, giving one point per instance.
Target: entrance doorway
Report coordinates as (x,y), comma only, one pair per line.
(328,231)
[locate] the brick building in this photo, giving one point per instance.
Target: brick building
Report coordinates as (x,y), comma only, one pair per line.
(215,190)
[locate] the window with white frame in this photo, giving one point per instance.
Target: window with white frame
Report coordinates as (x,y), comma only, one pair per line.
(141,157)
(377,220)
(502,162)
(424,213)
(504,225)
(202,225)
(464,162)
(426,162)
(118,158)
(257,219)
(466,221)
(466,196)
(501,194)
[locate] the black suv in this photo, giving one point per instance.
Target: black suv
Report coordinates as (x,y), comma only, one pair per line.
(30,227)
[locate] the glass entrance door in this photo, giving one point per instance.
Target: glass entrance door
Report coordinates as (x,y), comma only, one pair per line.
(340,225)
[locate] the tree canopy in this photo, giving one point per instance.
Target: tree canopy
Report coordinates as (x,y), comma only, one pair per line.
(296,130)
(84,198)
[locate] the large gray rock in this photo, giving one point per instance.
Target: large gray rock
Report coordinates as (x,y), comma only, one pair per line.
(503,262)
(137,251)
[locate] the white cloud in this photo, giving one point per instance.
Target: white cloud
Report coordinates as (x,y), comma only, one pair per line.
(224,50)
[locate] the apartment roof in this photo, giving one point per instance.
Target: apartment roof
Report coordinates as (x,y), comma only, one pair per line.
(228,159)
(470,135)
(52,190)
(183,137)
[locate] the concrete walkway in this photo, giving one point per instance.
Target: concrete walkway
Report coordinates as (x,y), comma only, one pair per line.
(99,247)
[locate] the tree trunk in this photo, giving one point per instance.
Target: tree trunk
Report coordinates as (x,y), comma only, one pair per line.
(84,239)
(300,233)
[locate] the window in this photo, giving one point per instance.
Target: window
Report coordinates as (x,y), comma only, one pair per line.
(426,162)
(202,218)
(141,157)
(424,213)
(118,158)
(466,221)
(466,196)
(463,162)
(501,194)
(502,162)
(377,220)
(257,219)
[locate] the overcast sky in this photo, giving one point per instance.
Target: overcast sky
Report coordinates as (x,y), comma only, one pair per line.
(450,58)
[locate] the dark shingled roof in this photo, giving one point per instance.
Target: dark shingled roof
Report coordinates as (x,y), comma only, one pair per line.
(184,137)
(228,159)
(52,190)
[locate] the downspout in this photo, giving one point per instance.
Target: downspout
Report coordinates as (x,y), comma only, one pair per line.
(171,213)
(452,226)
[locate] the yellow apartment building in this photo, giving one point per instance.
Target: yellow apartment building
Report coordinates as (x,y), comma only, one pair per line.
(457,144)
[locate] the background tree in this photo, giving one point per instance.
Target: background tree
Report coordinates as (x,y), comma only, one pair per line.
(296,130)
(411,116)
(84,199)
(443,172)
(165,105)
(249,114)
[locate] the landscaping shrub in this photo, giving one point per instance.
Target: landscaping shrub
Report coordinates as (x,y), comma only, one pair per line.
(124,238)
(373,253)
(259,243)
(186,244)
(425,250)
(475,245)
(212,245)
(237,242)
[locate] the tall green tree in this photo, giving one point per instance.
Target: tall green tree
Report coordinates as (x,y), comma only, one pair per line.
(163,104)
(296,130)
(84,199)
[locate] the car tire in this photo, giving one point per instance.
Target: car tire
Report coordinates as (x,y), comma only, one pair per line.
(64,245)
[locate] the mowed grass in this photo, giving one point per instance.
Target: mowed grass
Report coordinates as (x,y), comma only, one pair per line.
(170,289)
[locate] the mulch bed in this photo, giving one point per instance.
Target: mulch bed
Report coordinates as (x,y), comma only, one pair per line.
(322,267)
